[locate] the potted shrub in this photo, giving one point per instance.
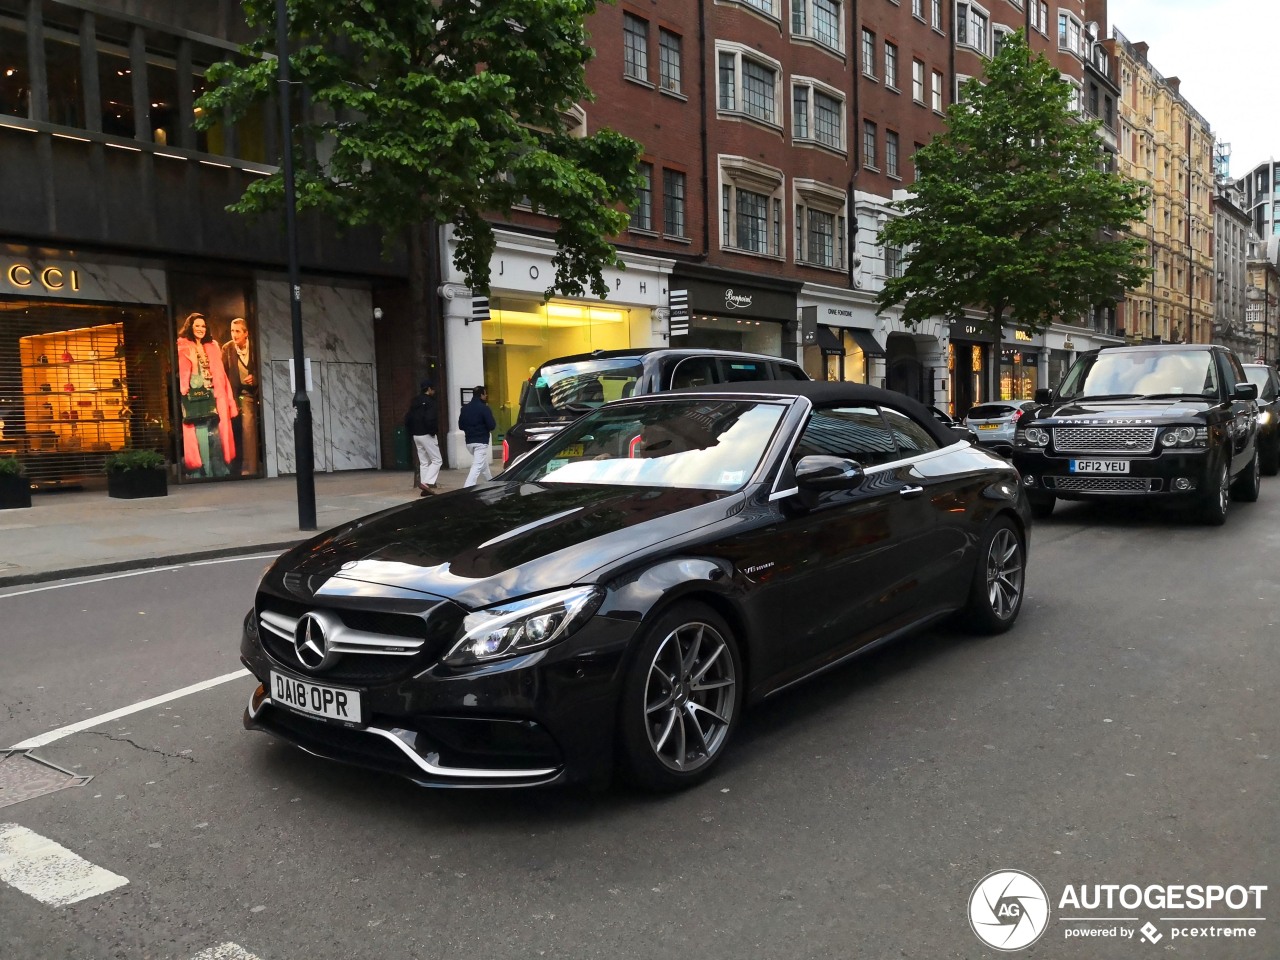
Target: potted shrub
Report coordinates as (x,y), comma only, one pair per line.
(136,473)
(15,488)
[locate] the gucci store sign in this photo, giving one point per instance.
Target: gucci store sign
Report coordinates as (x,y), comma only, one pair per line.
(41,279)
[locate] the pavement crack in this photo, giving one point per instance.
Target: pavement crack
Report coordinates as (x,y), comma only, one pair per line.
(134,743)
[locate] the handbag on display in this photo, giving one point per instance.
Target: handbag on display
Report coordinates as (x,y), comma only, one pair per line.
(198,405)
(66,356)
(69,387)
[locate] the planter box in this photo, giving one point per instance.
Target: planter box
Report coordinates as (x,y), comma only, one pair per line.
(15,492)
(132,484)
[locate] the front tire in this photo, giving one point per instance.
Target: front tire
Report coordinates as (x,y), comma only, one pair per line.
(682,698)
(995,593)
(1215,499)
(1249,483)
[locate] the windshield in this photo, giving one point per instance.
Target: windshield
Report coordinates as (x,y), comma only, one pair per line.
(702,444)
(568,389)
(1142,373)
(1261,376)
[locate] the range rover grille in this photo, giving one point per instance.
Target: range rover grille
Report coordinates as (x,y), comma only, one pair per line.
(1130,440)
(1107,484)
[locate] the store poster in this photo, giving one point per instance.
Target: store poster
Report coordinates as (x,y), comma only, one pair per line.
(217,393)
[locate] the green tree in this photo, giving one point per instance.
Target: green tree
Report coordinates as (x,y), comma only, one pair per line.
(440,111)
(1011,211)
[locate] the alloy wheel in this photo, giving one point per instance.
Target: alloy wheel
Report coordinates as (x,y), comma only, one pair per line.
(1004,573)
(690,696)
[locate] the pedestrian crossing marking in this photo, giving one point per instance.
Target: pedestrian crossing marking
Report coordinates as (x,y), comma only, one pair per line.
(48,871)
(225,951)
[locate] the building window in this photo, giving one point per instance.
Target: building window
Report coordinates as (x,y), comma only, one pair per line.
(937,14)
(819,20)
(892,261)
(635,47)
(642,213)
(669,60)
(673,203)
(973,27)
(936,91)
(817,113)
(820,224)
(917,8)
(917,81)
(747,85)
(750,207)
(1000,34)
(868,52)
(868,144)
(767,7)
(891,153)
(1071,35)
(890,65)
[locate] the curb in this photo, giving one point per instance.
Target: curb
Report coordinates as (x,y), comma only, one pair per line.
(144,563)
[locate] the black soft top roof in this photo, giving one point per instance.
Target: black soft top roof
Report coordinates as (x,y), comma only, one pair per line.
(823,393)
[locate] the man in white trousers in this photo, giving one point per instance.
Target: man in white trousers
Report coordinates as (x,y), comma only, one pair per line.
(476,423)
(422,422)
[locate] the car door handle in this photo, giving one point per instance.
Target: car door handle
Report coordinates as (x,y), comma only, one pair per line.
(909,492)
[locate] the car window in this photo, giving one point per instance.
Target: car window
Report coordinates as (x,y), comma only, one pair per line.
(742,371)
(788,371)
(1264,378)
(855,433)
(910,436)
(694,372)
(991,411)
(1237,370)
(1136,371)
(559,389)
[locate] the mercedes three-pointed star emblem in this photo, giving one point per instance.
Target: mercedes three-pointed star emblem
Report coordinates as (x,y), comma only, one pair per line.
(311,642)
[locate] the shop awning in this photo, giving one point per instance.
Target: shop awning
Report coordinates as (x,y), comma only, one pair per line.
(829,343)
(867,341)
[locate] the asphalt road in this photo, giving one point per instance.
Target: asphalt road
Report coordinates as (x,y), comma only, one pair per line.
(1123,733)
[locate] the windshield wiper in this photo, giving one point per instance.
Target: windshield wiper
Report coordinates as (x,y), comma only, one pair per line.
(577,407)
(1176,396)
(1103,396)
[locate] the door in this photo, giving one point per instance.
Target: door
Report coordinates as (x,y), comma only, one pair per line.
(283,417)
(351,416)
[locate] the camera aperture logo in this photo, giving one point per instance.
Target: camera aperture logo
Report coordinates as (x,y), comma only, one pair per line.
(1009,910)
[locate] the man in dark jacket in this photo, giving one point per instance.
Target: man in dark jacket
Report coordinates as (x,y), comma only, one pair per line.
(422,422)
(476,422)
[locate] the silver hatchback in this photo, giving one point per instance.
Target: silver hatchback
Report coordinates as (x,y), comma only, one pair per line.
(993,423)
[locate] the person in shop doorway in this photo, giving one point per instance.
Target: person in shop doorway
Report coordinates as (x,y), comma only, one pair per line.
(422,422)
(477,423)
(238,360)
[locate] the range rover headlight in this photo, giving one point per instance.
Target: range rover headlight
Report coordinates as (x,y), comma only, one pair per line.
(1036,436)
(1185,437)
(514,628)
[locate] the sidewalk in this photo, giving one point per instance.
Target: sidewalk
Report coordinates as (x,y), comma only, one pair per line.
(81,532)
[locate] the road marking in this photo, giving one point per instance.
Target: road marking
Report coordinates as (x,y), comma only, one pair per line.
(136,573)
(48,871)
(45,739)
(225,951)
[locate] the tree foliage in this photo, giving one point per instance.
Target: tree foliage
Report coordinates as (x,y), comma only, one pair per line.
(445,111)
(1011,212)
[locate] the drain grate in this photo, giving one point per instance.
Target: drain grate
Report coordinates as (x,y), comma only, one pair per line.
(23,776)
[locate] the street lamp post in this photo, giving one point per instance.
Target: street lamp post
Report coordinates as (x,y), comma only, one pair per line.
(304,455)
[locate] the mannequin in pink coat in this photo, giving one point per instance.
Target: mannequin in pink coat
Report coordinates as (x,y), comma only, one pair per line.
(208,444)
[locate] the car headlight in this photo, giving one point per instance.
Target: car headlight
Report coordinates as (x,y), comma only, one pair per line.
(514,628)
(1036,436)
(1265,417)
(1185,437)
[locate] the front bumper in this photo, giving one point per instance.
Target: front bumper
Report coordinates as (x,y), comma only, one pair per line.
(545,718)
(1167,474)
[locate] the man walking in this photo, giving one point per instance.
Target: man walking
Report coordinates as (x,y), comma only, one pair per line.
(422,422)
(476,422)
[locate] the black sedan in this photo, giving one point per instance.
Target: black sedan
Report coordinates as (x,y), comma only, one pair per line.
(626,589)
(1263,375)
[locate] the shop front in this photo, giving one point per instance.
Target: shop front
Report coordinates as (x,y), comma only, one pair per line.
(99,357)
(720,310)
(969,352)
(836,348)
(1020,362)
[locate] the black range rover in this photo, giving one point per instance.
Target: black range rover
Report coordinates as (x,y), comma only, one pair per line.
(1176,422)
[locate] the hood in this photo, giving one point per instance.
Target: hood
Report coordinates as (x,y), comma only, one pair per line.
(489,543)
(1127,412)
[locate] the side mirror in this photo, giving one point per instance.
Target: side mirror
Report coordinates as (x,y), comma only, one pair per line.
(822,473)
(1044,395)
(1246,391)
(964,433)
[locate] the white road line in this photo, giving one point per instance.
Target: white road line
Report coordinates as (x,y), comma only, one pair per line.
(49,871)
(225,951)
(136,573)
(45,739)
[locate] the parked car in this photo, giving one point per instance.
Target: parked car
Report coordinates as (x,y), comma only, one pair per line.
(1171,422)
(1263,375)
(563,389)
(993,423)
(627,589)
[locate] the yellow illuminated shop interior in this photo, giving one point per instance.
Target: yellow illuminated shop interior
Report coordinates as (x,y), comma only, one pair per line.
(73,388)
(520,335)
